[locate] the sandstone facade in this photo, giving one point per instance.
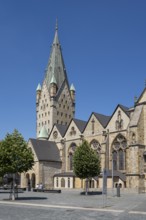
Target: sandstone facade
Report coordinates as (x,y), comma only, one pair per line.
(119,139)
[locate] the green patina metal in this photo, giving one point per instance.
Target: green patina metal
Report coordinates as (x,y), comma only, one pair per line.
(43,133)
(53,80)
(38,87)
(56,66)
(72,88)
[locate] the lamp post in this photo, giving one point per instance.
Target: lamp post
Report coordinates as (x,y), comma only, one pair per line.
(112,176)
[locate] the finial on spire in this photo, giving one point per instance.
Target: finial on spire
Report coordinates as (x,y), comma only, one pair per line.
(56,27)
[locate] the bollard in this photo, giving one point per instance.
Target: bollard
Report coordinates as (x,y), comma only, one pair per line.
(118,191)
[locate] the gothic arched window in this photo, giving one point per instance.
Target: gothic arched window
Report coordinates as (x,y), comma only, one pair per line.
(119,152)
(70,155)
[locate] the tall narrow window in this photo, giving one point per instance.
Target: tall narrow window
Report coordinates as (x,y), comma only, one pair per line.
(119,152)
(93,121)
(115,160)
(70,161)
(121,159)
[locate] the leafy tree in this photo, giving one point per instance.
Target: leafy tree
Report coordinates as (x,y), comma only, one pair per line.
(15,156)
(86,162)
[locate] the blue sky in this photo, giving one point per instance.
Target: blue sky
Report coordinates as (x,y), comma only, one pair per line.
(104,49)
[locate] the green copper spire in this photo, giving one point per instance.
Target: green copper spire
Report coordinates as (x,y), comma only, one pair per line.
(56,65)
(38,87)
(53,80)
(72,88)
(43,134)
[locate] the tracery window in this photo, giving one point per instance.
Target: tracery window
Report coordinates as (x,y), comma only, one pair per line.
(119,152)
(95,146)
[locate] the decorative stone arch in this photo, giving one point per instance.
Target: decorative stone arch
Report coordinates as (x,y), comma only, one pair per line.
(62,182)
(119,146)
(95,145)
(71,151)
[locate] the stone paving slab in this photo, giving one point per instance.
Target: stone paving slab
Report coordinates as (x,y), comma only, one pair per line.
(71,205)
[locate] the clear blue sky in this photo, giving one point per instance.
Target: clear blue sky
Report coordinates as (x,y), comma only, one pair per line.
(104,49)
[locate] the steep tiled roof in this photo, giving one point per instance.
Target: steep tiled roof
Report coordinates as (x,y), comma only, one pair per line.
(61,129)
(46,150)
(80,124)
(103,119)
(125,109)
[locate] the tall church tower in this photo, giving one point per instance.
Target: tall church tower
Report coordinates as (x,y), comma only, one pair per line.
(55,100)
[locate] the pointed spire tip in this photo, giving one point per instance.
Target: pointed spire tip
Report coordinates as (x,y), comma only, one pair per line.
(56,27)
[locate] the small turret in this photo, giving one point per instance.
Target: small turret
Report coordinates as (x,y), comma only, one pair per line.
(53,86)
(43,134)
(72,92)
(38,93)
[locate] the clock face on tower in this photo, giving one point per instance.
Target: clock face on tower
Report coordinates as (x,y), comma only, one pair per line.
(55,134)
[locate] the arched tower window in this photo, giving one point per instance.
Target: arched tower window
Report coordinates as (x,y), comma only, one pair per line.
(119,152)
(70,155)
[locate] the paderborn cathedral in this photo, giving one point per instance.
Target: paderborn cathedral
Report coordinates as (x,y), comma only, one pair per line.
(119,139)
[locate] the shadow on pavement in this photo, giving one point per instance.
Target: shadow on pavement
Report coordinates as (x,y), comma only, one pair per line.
(31,198)
(92,193)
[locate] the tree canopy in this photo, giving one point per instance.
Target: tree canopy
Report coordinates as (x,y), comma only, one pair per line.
(86,162)
(15,156)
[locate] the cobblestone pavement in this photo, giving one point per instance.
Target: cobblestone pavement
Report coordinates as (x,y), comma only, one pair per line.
(71,205)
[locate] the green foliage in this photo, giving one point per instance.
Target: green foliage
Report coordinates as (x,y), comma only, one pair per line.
(86,162)
(15,156)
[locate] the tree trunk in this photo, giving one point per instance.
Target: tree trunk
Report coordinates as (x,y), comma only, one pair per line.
(13,187)
(86,186)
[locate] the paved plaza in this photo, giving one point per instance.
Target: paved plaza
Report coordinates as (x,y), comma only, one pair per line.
(69,204)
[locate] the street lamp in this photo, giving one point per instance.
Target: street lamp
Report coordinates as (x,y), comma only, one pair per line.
(112,175)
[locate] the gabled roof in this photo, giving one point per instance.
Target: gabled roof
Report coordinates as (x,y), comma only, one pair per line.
(124,108)
(45,150)
(80,124)
(103,119)
(61,129)
(141,95)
